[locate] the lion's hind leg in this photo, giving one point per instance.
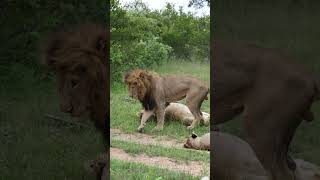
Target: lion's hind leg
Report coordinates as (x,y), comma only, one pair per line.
(194,101)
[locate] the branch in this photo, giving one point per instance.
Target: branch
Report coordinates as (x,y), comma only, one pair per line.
(66,121)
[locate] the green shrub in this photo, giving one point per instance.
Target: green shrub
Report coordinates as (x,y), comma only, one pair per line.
(140,54)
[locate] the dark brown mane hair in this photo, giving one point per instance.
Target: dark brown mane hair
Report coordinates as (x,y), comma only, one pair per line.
(87,39)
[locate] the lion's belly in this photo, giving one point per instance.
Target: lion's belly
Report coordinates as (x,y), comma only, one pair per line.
(176,97)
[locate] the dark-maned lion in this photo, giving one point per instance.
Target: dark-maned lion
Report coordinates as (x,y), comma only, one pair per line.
(154,91)
(272,92)
(79,59)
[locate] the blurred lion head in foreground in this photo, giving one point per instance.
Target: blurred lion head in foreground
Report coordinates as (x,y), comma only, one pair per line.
(78,58)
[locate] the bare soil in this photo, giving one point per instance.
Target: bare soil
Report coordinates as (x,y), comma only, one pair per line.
(194,168)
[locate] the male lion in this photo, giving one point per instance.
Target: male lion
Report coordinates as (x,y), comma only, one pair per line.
(154,91)
(272,92)
(79,59)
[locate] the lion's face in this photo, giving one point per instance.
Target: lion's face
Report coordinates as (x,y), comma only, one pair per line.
(192,141)
(76,84)
(133,89)
(138,83)
(78,59)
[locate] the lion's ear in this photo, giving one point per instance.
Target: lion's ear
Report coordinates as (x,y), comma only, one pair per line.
(194,135)
(125,76)
(142,75)
(49,49)
(101,44)
(101,41)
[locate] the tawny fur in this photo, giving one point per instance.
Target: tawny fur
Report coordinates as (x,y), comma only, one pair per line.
(79,59)
(154,91)
(181,113)
(235,160)
(273,93)
(199,143)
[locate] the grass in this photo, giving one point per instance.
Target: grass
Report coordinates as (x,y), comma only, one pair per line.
(33,147)
(152,150)
(123,111)
(134,171)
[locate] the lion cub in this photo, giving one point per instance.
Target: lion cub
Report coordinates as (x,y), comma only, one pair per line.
(154,91)
(199,143)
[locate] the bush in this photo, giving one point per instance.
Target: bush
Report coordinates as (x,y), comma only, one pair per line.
(141,54)
(142,38)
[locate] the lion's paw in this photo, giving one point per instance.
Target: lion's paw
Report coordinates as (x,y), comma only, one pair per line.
(157,129)
(140,129)
(190,127)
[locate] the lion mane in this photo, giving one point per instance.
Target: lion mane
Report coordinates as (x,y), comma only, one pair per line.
(143,80)
(81,52)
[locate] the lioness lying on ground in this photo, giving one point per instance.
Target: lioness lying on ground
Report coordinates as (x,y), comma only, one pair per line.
(235,160)
(154,91)
(180,112)
(200,143)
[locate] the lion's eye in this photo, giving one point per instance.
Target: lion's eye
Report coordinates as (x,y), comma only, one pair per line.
(135,83)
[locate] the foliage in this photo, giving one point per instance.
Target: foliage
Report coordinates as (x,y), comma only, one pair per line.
(142,37)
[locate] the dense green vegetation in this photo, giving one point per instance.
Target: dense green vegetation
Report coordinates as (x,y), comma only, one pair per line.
(142,38)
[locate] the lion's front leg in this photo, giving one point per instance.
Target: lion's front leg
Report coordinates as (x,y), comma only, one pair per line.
(145,116)
(160,111)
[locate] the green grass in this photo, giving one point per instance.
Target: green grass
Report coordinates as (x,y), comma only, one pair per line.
(152,150)
(123,111)
(33,147)
(135,171)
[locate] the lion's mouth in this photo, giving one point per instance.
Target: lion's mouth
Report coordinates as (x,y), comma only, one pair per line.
(74,113)
(186,145)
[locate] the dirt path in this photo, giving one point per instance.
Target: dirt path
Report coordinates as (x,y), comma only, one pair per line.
(194,168)
(146,139)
